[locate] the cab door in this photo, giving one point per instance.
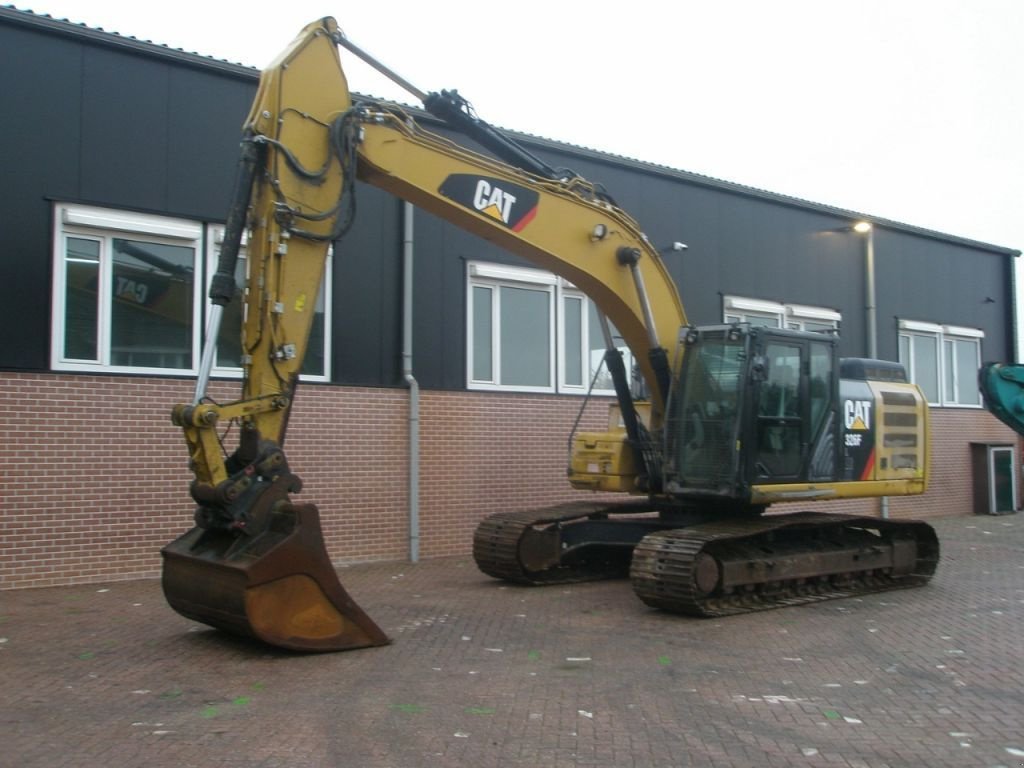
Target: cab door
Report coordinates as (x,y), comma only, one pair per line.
(780,412)
(793,402)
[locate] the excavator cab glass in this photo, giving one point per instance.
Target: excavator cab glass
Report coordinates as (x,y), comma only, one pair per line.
(705,411)
(751,406)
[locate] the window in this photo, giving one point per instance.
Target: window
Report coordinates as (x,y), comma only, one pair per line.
(583,346)
(530,331)
(793,317)
(817,319)
(511,328)
(315,366)
(126,299)
(125,294)
(754,311)
(943,360)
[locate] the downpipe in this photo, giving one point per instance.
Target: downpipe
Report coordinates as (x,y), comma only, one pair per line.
(871,319)
(410,380)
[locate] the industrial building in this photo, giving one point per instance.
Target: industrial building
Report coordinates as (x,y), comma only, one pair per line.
(119,161)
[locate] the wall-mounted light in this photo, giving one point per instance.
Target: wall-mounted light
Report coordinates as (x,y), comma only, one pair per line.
(676,247)
(598,233)
(863,227)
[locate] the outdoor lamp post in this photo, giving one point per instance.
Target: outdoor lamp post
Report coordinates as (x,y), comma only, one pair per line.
(865,228)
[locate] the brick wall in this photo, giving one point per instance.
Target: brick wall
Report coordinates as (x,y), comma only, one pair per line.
(96,477)
(484,452)
(950,487)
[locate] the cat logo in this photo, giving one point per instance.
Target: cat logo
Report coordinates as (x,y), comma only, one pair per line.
(493,201)
(503,202)
(857,414)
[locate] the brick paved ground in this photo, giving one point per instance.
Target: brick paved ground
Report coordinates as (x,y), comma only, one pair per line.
(482,675)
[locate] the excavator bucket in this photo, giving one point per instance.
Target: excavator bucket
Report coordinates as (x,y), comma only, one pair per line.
(278,586)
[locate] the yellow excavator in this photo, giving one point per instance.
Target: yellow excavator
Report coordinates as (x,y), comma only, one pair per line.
(729,419)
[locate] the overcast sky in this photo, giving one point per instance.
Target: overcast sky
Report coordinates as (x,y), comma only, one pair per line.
(911,110)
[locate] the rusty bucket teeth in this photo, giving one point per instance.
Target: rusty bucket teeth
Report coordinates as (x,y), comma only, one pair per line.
(278,587)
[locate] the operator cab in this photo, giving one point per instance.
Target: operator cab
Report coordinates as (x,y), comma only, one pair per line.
(751,405)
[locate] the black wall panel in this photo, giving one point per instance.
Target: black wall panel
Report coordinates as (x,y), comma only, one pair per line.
(124,129)
(105,127)
(109,126)
(944,283)
(439,315)
(204,126)
(41,155)
(366,338)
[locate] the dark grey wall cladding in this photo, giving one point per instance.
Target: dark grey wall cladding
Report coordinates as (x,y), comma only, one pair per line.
(367,287)
(113,123)
(749,245)
(109,128)
(946,283)
(41,148)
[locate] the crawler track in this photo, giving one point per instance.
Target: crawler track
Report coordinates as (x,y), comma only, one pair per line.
(708,568)
(523,547)
(719,569)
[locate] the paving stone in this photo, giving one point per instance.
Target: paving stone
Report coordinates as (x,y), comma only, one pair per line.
(488,675)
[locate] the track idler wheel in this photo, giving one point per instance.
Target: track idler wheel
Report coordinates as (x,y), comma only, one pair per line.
(278,586)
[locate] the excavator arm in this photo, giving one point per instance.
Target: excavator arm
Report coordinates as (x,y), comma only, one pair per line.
(287,197)
(255,563)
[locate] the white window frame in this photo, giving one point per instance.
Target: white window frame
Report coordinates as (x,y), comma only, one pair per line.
(740,310)
(947,372)
(798,316)
(567,290)
(493,277)
(567,293)
(103,225)
(214,242)
(793,317)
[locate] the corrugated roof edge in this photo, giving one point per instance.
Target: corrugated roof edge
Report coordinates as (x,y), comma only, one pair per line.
(742,189)
(149,48)
(69,28)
